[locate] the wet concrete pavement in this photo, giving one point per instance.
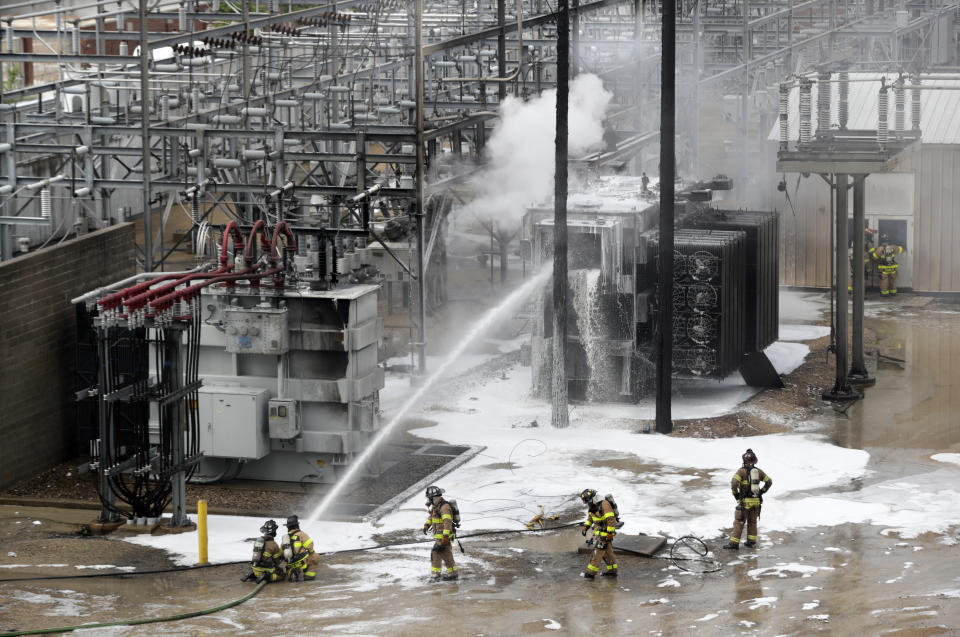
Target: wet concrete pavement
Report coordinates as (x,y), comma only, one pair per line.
(846,579)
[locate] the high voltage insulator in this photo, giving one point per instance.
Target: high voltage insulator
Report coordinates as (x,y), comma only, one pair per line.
(915,104)
(882,106)
(900,102)
(783,107)
(843,111)
(46,207)
(823,102)
(805,108)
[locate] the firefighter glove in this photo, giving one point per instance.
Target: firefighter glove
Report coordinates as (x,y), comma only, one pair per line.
(583,531)
(426,528)
(736,497)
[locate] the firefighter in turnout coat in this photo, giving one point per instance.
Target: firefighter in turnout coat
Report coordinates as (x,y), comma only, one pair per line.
(886,256)
(748,484)
(603,520)
(267,562)
(302,560)
(440,519)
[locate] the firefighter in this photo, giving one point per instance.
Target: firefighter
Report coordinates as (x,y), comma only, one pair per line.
(302,560)
(602,518)
(440,519)
(867,258)
(267,562)
(749,484)
(886,256)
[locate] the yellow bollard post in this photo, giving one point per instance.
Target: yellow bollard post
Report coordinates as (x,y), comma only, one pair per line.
(202,529)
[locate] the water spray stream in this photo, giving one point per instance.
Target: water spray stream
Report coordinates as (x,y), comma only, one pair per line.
(518,295)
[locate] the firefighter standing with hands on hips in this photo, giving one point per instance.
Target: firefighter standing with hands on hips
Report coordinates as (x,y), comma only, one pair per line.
(266,564)
(749,484)
(602,518)
(440,516)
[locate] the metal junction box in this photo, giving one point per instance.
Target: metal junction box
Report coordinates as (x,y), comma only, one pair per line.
(256,330)
(283,421)
(233,422)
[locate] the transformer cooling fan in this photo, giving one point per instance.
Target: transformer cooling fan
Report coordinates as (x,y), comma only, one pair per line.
(702,330)
(703,266)
(702,361)
(702,298)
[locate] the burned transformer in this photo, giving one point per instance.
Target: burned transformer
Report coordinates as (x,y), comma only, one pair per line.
(725,300)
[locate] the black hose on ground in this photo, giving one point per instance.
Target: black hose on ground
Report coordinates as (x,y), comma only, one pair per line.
(136,622)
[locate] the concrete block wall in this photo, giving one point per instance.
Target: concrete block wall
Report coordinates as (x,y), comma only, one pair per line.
(38,344)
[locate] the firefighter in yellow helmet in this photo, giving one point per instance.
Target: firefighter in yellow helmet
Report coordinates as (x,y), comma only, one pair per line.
(886,257)
(440,519)
(302,560)
(602,518)
(266,564)
(749,484)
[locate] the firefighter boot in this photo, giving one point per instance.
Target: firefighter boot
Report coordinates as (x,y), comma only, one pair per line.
(750,544)
(587,575)
(733,546)
(447,577)
(249,577)
(435,577)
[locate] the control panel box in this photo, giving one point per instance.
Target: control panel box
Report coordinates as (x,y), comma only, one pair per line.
(233,421)
(256,330)
(284,423)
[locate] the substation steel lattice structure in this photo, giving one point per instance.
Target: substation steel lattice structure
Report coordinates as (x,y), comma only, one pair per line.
(321,117)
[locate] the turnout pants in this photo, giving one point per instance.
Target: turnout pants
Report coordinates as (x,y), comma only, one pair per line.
(745,516)
(606,555)
(442,555)
(888,279)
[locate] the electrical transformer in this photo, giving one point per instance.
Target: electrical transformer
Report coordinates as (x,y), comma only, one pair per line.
(724,290)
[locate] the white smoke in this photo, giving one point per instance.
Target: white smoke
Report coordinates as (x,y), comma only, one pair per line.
(521,149)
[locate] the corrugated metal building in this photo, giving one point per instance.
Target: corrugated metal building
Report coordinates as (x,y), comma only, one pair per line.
(918,206)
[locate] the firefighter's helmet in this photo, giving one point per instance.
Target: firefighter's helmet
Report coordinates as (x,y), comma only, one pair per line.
(293,523)
(587,495)
(749,458)
(269,528)
(434,492)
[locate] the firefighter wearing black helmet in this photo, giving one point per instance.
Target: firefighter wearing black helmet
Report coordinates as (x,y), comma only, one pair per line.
(748,484)
(266,564)
(602,518)
(440,519)
(302,560)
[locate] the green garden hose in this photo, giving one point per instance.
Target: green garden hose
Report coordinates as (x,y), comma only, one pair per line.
(134,622)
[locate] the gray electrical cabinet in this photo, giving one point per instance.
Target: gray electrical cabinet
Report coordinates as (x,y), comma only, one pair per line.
(233,422)
(283,421)
(256,330)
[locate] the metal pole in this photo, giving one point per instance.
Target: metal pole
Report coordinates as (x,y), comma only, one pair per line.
(858,369)
(664,339)
(145,138)
(421,163)
(175,419)
(560,416)
(501,50)
(841,388)
(107,498)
